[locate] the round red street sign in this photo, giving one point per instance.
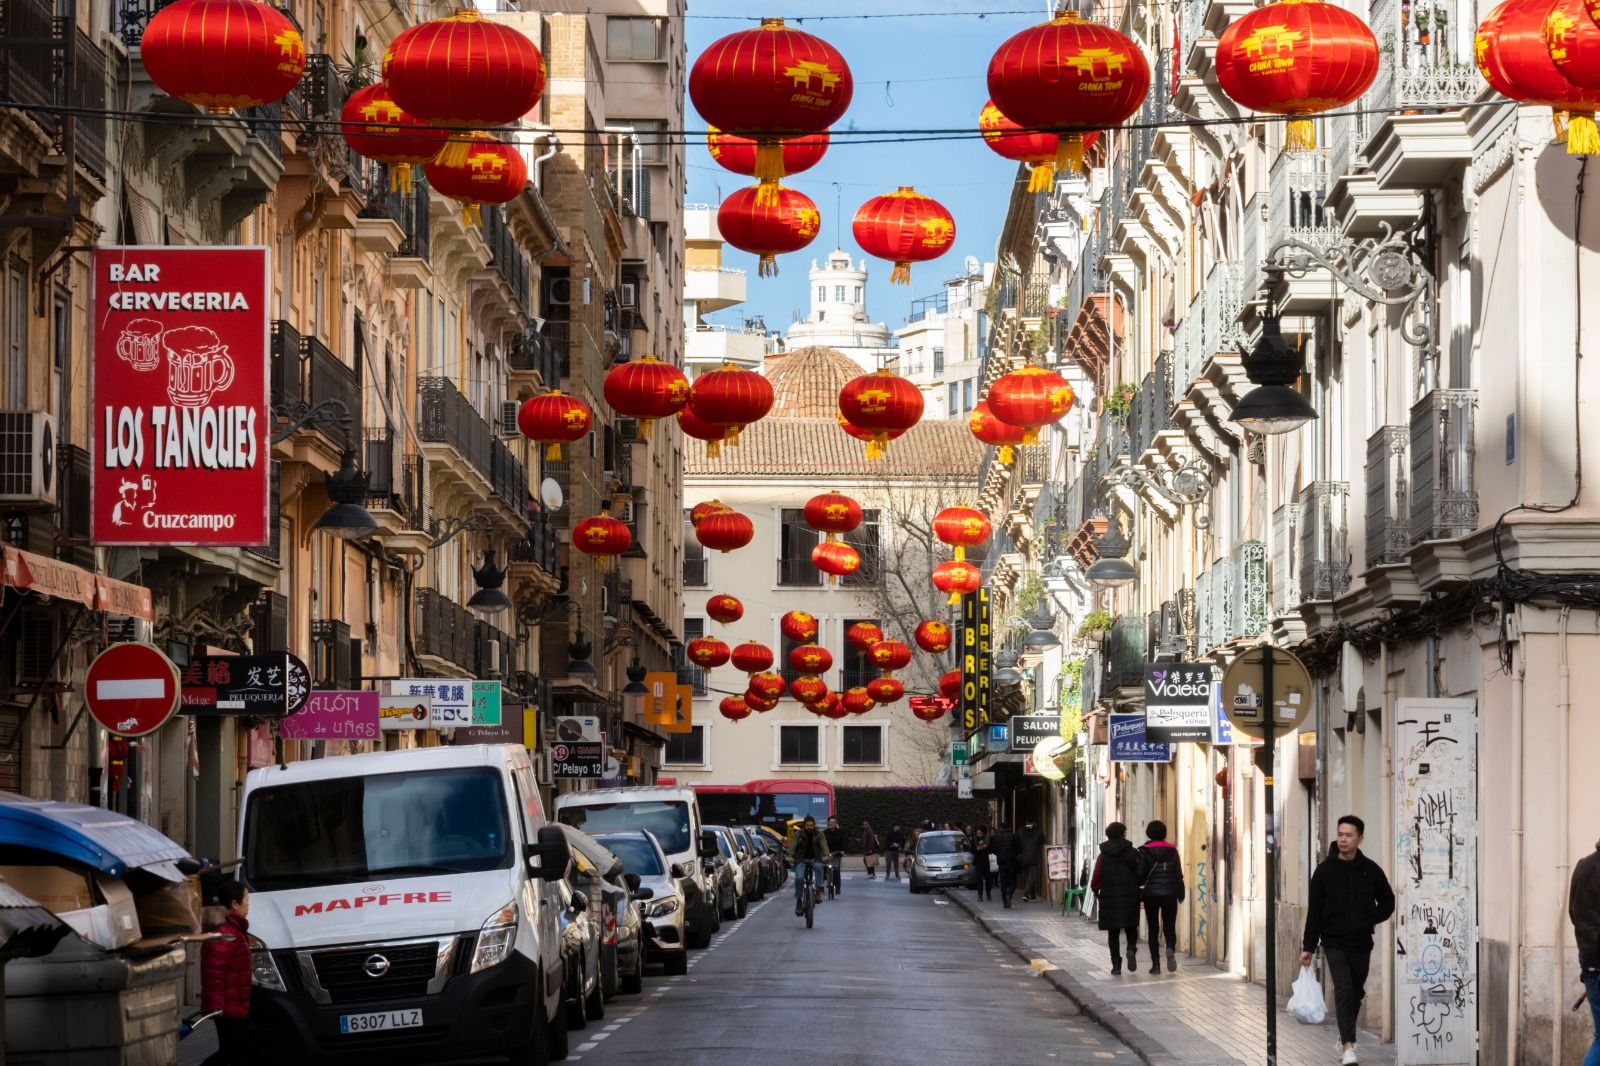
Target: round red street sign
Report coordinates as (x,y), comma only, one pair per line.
(131,689)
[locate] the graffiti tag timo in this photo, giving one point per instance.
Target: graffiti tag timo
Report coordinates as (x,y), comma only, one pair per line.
(1202,909)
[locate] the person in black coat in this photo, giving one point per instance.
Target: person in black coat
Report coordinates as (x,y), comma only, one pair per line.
(1162,889)
(1030,849)
(1115,885)
(980,861)
(1003,845)
(1350,895)
(893,845)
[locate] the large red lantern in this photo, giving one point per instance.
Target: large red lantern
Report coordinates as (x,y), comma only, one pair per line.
(1071,77)
(885,690)
(836,559)
(808,689)
(725,531)
(868,435)
(1512,56)
(957,577)
(961,528)
(1030,397)
(738,154)
(222,54)
(376,127)
(786,221)
(646,389)
(770,83)
(731,397)
(1299,58)
(705,507)
(863,635)
(881,403)
(858,700)
(933,637)
(752,657)
(733,708)
(759,702)
(1035,147)
(798,625)
(700,429)
(950,685)
(724,609)
(989,429)
(889,656)
(553,419)
(1573,41)
(488,172)
(768,686)
(833,707)
(603,537)
(464,71)
(832,513)
(707,652)
(903,227)
(810,658)
(928,712)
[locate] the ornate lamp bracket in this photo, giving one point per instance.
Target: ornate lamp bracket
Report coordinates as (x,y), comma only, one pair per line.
(325,414)
(1186,486)
(449,528)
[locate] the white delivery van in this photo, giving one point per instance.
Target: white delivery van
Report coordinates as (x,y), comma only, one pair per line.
(673,816)
(401,909)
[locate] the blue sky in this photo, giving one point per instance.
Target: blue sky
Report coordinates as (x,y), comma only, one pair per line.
(934,67)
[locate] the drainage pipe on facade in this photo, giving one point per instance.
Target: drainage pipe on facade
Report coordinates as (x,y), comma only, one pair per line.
(1563,863)
(1387,718)
(1514,954)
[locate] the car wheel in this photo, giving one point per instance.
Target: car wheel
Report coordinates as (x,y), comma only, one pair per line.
(574,1004)
(676,964)
(633,983)
(744,907)
(594,1004)
(556,1042)
(699,935)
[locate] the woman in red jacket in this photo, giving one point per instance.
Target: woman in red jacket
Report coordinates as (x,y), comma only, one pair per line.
(225,969)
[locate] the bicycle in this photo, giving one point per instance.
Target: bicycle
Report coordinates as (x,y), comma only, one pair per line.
(810,894)
(833,871)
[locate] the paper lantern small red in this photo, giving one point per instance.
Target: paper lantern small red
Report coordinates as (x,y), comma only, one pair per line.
(1031,397)
(880,403)
(933,637)
(768,686)
(1037,148)
(903,227)
(885,690)
(489,172)
(222,54)
(836,559)
(733,708)
(858,700)
(866,434)
(376,127)
(700,429)
(863,635)
(808,689)
(798,625)
(889,655)
(602,537)
(646,389)
(768,223)
(752,657)
(810,658)
(1512,56)
(957,577)
(707,652)
(832,513)
(962,528)
(464,71)
(705,507)
(759,702)
(725,531)
(995,433)
(833,707)
(928,712)
(724,609)
(553,419)
(950,685)
(731,397)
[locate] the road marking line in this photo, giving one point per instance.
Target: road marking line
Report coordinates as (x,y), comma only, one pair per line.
(613,1027)
(590,1046)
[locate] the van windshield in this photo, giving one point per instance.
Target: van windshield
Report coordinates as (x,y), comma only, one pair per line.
(668,820)
(386,825)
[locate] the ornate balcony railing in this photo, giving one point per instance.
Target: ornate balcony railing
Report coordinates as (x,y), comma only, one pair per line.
(1124,652)
(1250,594)
(1324,541)
(1388,497)
(447,417)
(445,629)
(1285,571)
(1444,496)
(328,378)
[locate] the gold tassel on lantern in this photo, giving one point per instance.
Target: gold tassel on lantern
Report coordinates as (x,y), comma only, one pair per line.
(1069,154)
(876,446)
(713,449)
(954,600)
(901,274)
(1006,455)
(1558,125)
(1042,177)
(730,436)
(456,148)
(1583,138)
(1030,435)
(767,193)
(961,553)
(470,215)
(1300,135)
(769,165)
(552,451)
(400,179)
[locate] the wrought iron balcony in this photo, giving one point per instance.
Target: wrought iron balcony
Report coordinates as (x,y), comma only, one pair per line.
(447,417)
(395,480)
(1444,496)
(534,352)
(1388,497)
(1324,542)
(1285,571)
(444,629)
(540,545)
(328,378)
(288,379)
(1123,654)
(1250,596)
(508,259)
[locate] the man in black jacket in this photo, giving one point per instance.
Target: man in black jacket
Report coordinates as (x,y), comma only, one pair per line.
(1003,845)
(1030,849)
(1583,907)
(1349,897)
(893,845)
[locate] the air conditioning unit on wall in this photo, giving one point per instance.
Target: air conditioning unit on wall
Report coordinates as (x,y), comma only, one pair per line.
(27,457)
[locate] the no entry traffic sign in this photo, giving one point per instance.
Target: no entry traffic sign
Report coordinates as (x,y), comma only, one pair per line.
(131,689)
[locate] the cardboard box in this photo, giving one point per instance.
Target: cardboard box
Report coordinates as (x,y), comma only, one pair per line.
(55,888)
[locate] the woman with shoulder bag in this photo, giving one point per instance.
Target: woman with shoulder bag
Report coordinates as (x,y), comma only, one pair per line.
(869,850)
(1162,889)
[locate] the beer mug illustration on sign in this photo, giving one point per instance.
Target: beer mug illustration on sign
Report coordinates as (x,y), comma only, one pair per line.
(198,365)
(140,344)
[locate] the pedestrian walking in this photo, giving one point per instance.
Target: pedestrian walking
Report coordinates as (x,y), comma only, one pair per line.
(1583,907)
(1030,849)
(1115,884)
(1350,895)
(869,850)
(225,977)
(980,859)
(1003,846)
(893,845)
(1162,889)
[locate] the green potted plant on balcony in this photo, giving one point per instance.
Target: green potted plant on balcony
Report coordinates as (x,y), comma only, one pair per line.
(1093,627)
(1118,402)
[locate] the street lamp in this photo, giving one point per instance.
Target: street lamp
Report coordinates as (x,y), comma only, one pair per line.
(490,599)
(1111,570)
(1274,406)
(1042,635)
(348,518)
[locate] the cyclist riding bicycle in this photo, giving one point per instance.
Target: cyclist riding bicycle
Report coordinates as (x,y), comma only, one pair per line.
(835,837)
(809,851)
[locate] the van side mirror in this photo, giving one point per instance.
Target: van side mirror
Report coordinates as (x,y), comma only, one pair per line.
(708,844)
(550,856)
(632,881)
(641,894)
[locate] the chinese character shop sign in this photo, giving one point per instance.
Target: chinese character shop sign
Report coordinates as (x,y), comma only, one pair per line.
(179,406)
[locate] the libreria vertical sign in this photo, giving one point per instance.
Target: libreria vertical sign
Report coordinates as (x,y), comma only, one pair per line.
(179,402)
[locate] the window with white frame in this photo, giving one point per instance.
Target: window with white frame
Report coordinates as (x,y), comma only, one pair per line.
(635,40)
(686,749)
(799,745)
(862,745)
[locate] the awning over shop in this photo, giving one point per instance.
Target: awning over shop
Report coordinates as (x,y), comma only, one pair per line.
(100,839)
(27,572)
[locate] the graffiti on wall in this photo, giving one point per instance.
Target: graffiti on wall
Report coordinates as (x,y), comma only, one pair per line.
(1435,857)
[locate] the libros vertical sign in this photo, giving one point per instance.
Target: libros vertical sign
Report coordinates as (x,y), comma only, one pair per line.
(179,397)
(975,656)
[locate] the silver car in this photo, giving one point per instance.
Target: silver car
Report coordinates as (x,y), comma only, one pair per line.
(658,896)
(743,867)
(942,859)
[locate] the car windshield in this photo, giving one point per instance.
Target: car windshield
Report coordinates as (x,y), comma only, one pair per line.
(348,829)
(668,820)
(637,856)
(941,844)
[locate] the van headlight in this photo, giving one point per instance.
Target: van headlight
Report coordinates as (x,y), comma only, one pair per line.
(263,968)
(499,932)
(660,908)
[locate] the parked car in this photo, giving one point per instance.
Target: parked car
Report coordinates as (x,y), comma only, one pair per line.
(942,858)
(749,862)
(723,875)
(743,871)
(580,946)
(774,843)
(758,854)
(659,898)
(600,874)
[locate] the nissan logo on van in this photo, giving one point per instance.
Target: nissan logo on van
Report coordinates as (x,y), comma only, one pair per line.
(376,965)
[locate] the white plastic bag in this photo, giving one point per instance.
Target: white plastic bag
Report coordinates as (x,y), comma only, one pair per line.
(1307,1004)
(994,864)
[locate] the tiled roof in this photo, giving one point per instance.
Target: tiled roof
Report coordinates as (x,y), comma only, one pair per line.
(816,447)
(806,381)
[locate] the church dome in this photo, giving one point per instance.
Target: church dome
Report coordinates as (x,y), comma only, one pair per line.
(806,382)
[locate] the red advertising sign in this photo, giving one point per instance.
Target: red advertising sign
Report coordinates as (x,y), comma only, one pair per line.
(179,405)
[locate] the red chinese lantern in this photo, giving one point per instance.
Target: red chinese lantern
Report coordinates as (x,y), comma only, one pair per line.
(725,531)
(1069,76)
(603,537)
(700,429)
(1512,56)
(489,173)
(464,71)
(885,690)
(786,221)
(950,685)
(770,83)
(1298,57)
(903,227)
(731,397)
(724,609)
(880,403)
(700,510)
(833,707)
(866,434)
(808,689)
(836,559)
(798,625)
(752,657)
(707,652)
(832,513)
(759,702)
(1573,41)
(989,429)
(733,708)
(738,154)
(552,420)
(933,637)
(889,656)
(863,635)
(928,712)
(858,700)
(957,577)
(374,126)
(1030,397)
(223,54)
(768,686)
(810,658)
(1035,147)
(646,389)
(961,528)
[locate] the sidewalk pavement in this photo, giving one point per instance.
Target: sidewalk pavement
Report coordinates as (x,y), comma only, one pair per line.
(1199,1016)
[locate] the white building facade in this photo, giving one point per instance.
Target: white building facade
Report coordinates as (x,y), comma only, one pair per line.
(941,345)
(709,287)
(838,316)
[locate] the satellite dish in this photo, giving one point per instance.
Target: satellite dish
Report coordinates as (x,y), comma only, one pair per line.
(550,494)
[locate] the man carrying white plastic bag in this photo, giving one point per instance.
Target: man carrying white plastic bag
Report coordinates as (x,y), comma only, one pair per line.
(1307,1004)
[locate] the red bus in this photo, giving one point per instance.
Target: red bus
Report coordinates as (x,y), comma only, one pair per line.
(769,801)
